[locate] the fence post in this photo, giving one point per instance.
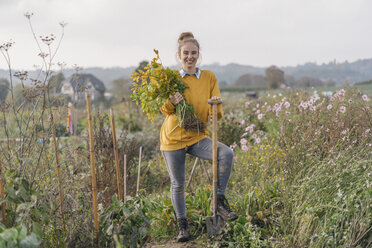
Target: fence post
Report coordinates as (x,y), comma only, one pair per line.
(115,153)
(58,169)
(139,170)
(92,167)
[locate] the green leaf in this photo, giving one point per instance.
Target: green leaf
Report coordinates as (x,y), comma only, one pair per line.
(143,231)
(23,193)
(30,241)
(22,233)
(37,229)
(12,194)
(109,229)
(25,184)
(23,206)
(9,235)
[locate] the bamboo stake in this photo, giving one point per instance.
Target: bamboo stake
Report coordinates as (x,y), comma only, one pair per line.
(139,170)
(58,170)
(192,172)
(3,210)
(118,181)
(92,170)
(125,177)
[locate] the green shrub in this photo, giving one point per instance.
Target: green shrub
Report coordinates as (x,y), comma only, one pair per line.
(127,221)
(18,237)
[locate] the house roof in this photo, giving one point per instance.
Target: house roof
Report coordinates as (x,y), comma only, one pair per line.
(80,81)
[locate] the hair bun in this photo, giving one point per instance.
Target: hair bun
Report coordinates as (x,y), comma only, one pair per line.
(185,36)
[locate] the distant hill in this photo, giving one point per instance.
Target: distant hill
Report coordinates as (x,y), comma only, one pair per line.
(358,71)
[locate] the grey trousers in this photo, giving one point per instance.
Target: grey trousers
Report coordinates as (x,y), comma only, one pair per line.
(175,161)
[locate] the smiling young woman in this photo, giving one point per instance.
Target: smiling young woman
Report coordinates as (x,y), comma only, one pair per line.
(176,141)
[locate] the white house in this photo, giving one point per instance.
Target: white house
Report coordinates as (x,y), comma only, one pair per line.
(76,86)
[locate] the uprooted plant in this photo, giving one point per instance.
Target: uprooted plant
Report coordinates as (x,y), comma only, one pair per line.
(152,88)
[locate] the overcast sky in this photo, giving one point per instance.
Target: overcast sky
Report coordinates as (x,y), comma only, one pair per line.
(110,33)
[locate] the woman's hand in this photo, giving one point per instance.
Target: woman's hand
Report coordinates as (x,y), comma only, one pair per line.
(176,98)
(214,98)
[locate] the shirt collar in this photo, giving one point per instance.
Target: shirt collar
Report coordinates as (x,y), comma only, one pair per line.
(197,73)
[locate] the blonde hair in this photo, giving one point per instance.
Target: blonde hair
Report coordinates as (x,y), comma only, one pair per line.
(186,37)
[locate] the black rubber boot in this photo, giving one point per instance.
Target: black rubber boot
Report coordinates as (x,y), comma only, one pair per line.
(223,209)
(184,234)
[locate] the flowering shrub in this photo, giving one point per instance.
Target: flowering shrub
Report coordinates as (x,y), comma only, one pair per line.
(313,152)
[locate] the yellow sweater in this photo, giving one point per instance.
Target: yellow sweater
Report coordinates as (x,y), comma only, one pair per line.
(172,136)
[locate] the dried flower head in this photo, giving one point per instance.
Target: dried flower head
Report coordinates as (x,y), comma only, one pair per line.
(30,93)
(63,24)
(28,15)
(77,68)
(43,55)
(48,39)
(4,107)
(35,81)
(22,75)
(61,64)
(6,45)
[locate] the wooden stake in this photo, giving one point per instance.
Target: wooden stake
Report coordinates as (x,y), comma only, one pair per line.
(58,170)
(139,170)
(192,172)
(118,181)
(3,207)
(92,169)
(125,178)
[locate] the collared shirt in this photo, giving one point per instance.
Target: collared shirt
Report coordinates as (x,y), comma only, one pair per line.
(197,73)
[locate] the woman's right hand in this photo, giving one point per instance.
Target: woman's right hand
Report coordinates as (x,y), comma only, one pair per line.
(176,98)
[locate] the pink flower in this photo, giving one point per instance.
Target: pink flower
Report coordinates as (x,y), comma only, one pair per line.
(261,132)
(254,136)
(243,141)
(247,104)
(268,109)
(259,116)
(350,100)
(245,148)
(290,120)
(233,145)
(332,99)
(330,106)
(342,109)
(365,98)
(258,111)
(341,92)
(258,140)
(244,134)
(242,122)
(304,105)
(287,104)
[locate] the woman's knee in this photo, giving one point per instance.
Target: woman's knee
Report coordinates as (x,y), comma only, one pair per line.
(226,153)
(178,186)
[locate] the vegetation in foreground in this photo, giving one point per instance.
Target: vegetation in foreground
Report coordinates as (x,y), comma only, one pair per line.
(301,176)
